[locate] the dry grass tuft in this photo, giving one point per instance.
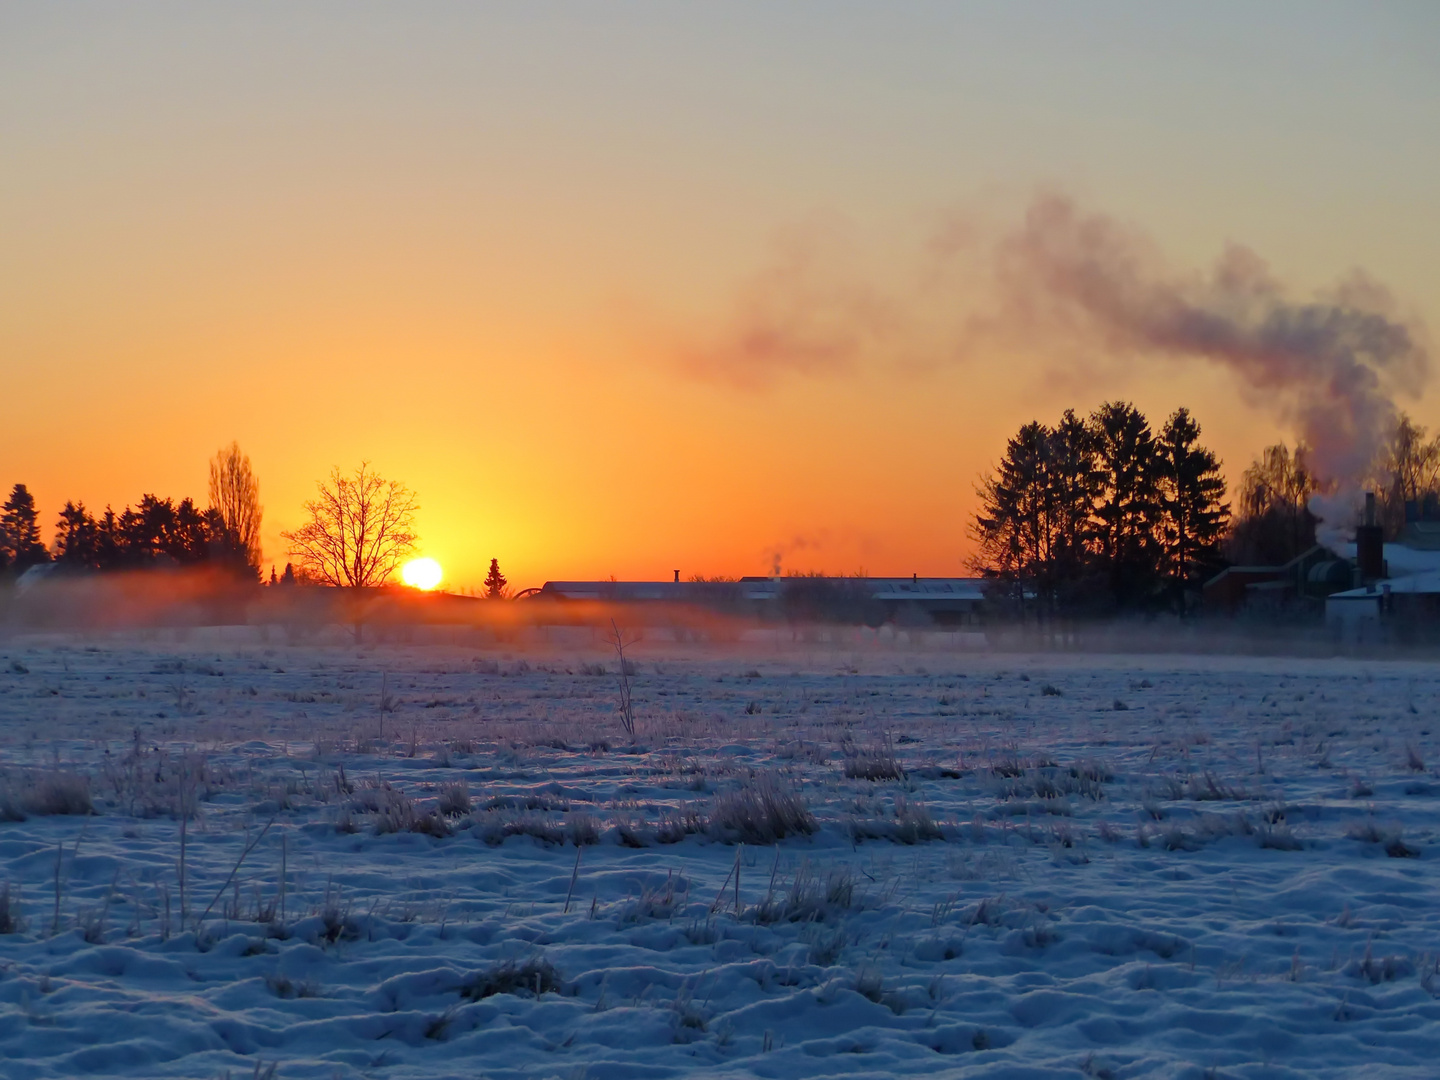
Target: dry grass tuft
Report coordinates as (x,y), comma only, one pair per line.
(761,812)
(10,921)
(910,824)
(810,897)
(454,799)
(43,794)
(529,977)
(874,762)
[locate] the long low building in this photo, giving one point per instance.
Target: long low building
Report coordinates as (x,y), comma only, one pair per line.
(1410,590)
(942,601)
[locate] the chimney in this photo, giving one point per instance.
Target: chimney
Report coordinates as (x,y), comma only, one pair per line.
(1370,544)
(677,577)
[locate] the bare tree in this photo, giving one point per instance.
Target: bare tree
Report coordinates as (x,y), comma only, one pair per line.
(1408,472)
(361,529)
(1274,524)
(625,669)
(235,495)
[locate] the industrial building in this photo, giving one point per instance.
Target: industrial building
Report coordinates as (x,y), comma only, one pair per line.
(914,601)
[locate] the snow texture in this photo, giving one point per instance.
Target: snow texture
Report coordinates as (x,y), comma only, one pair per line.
(991,865)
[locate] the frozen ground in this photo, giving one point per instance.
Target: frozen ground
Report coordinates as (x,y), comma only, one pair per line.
(1099,866)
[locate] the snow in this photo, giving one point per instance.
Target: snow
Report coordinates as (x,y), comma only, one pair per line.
(1146,865)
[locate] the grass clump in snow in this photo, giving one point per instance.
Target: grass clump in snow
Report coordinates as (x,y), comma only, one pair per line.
(1376,970)
(761,812)
(44,794)
(10,921)
(454,800)
(874,762)
(910,824)
(535,977)
(496,826)
(1391,839)
(286,988)
(809,898)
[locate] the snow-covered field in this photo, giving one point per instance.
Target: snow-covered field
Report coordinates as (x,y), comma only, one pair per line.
(1053,865)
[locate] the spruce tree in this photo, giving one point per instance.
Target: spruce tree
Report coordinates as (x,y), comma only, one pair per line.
(495,582)
(1015,525)
(77,538)
(1128,512)
(20,544)
(1194,518)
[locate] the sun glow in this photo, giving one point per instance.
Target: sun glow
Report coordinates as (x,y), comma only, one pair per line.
(423,574)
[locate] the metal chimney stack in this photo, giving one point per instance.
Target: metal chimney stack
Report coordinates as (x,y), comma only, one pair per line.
(1370,544)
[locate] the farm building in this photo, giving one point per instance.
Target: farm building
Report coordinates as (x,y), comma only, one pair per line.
(871,601)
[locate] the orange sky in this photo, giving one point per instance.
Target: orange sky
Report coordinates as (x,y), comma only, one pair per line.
(476,246)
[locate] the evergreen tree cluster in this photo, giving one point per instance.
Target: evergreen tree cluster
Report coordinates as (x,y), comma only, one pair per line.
(1101,513)
(157,532)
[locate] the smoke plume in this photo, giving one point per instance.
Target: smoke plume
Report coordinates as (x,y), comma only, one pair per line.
(806,312)
(1329,367)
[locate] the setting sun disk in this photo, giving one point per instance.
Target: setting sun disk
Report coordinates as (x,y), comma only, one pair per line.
(422,574)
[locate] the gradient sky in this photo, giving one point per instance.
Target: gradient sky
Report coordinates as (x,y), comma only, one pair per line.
(482,246)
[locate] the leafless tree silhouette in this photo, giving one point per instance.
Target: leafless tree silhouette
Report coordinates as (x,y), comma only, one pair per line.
(235,493)
(361,529)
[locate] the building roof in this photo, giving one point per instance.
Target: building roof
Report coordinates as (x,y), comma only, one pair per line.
(1424,583)
(1402,560)
(915,589)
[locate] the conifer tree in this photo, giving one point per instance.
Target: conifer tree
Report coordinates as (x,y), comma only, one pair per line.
(20,544)
(1015,525)
(1194,518)
(77,537)
(495,582)
(1128,512)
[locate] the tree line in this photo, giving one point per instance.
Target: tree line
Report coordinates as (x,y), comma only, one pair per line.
(1100,513)
(1274,522)
(356,533)
(156,532)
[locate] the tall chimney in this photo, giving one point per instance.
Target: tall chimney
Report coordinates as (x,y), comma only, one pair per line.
(677,577)
(1370,544)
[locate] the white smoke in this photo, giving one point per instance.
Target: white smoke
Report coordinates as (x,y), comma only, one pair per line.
(1329,367)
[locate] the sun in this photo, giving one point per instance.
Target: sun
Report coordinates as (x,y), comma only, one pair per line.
(422,574)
